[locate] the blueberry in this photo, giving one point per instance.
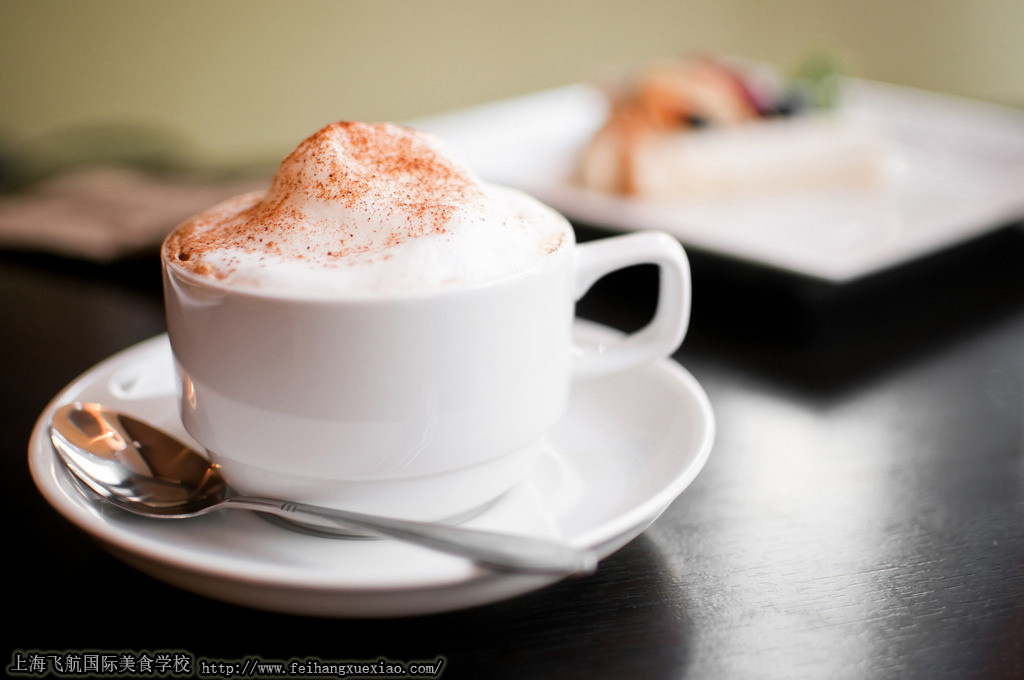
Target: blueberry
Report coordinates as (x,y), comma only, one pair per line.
(791,103)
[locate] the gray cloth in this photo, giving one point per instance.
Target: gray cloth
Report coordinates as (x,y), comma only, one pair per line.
(101,213)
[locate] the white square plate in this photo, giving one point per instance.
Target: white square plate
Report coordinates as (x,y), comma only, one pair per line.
(961,175)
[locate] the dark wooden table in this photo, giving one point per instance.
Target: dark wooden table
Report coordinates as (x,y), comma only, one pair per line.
(862,514)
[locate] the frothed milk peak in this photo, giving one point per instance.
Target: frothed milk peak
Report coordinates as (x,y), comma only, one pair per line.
(368,209)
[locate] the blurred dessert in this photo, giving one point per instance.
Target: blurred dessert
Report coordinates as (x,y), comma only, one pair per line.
(703,127)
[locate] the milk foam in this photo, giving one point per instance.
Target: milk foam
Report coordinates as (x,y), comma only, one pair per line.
(369,210)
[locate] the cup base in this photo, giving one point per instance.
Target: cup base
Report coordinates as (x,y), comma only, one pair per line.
(447,497)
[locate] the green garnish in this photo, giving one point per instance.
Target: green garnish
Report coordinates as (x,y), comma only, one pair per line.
(819,79)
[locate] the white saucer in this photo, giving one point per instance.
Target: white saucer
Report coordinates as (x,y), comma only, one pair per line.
(627,447)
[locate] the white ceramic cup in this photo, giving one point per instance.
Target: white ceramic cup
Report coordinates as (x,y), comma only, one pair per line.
(421,406)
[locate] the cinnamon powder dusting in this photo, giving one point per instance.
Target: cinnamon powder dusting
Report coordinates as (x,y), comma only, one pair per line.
(349,188)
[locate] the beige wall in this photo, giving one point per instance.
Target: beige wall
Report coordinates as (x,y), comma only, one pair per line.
(246,79)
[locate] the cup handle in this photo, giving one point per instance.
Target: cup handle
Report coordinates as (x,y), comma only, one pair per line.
(663,334)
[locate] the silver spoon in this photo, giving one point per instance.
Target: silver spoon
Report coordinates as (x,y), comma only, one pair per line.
(146,471)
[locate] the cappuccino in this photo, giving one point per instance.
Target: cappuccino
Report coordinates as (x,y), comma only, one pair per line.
(381,331)
(368,210)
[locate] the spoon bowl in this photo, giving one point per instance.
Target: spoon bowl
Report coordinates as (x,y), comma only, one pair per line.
(146,471)
(133,465)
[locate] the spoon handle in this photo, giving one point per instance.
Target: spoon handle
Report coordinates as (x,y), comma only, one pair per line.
(501,552)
